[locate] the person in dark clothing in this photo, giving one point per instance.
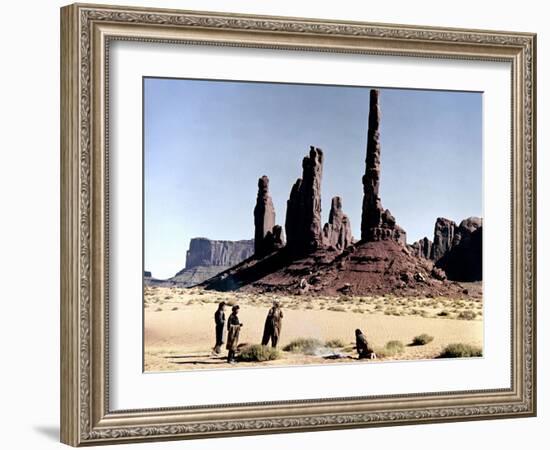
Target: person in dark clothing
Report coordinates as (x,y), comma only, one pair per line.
(219,320)
(364,350)
(273,324)
(233,330)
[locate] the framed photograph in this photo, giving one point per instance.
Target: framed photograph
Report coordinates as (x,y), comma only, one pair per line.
(276,224)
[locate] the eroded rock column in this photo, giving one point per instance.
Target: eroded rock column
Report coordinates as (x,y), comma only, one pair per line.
(264,216)
(303,216)
(337,232)
(377,223)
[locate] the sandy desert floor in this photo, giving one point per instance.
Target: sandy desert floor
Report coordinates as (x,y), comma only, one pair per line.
(179,327)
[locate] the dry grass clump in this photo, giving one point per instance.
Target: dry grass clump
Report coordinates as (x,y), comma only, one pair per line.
(422,339)
(335,343)
(392,348)
(467,315)
(307,346)
(461,351)
(258,353)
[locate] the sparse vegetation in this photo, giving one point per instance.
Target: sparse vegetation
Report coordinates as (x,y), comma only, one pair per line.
(443,313)
(258,353)
(336,308)
(391,348)
(307,346)
(467,315)
(461,351)
(335,343)
(422,339)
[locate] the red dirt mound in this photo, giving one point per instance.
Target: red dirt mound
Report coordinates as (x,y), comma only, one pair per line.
(364,268)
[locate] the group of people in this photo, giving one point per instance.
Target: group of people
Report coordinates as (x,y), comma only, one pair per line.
(272,328)
(272,332)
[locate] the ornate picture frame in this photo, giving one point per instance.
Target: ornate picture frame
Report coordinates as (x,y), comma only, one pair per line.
(86,34)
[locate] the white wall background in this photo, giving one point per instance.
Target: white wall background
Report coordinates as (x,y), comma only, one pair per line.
(29,224)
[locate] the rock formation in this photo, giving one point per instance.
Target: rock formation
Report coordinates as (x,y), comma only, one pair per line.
(328,262)
(264,217)
(444,232)
(205,259)
(303,213)
(422,248)
(337,232)
(463,260)
(273,240)
(206,252)
(376,222)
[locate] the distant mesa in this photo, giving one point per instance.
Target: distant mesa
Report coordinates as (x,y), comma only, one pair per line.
(327,260)
(210,253)
(205,259)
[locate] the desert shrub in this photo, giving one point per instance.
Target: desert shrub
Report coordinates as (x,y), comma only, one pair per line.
(303,345)
(422,339)
(337,308)
(391,348)
(358,310)
(335,343)
(158,309)
(467,315)
(443,313)
(461,351)
(258,353)
(175,308)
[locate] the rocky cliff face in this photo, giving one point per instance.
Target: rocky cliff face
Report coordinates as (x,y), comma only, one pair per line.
(444,233)
(463,260)
(205,252)
(422,248)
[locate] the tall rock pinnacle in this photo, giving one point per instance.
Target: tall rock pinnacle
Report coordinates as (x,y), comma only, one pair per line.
(376,223)
(303,215)
(264,216)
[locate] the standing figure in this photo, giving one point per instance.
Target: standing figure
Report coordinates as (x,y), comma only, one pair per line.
(219,320)
(233,330)
(364,350)
(273,323)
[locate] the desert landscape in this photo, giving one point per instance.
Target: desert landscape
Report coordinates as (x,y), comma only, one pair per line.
(179,331)
(374,299)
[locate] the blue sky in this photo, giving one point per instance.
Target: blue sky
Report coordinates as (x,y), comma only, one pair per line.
(206,143)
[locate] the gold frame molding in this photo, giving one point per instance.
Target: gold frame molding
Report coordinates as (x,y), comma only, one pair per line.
(86,31)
